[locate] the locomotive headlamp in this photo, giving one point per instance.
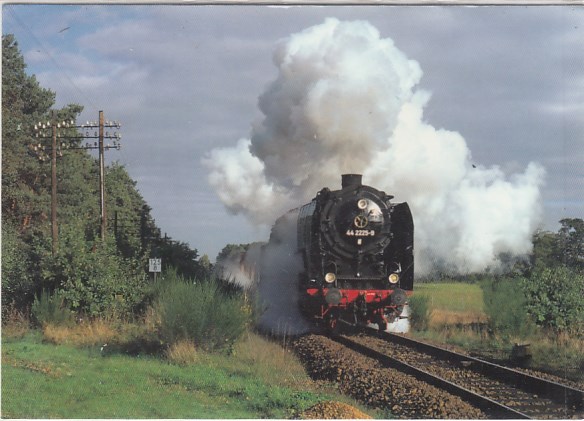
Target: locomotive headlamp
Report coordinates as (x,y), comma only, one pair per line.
(393,278)
(362,204)
(330,278)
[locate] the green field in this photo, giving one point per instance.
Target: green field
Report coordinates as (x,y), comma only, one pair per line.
(41,380)
(453,303)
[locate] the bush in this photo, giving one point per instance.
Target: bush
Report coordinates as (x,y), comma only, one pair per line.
(51,309)
(18,286)
(93,278)
(555,298)
(199,312)
(420,312)
(506,307)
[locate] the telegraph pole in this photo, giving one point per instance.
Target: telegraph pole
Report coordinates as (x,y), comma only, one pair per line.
(102,178)
(101,125)
(42,131)
(54,229)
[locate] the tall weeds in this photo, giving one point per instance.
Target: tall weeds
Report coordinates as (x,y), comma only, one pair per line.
(50,308)
(506,307)
(420,312)
(201,313)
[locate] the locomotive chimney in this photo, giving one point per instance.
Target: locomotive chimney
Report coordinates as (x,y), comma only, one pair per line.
(351,180)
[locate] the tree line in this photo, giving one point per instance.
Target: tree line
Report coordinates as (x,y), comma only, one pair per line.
(91,276)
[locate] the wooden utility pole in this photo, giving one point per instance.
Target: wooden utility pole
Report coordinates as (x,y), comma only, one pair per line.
(53,130)
(50,130)
(102,178)
(54,228)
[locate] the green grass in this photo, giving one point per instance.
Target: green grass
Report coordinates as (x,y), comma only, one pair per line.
(453,296)
(48,381)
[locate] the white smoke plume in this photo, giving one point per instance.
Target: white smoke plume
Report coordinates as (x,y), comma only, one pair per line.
(345,101)
(241,267)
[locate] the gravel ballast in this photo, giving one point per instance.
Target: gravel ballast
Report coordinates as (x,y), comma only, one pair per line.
(365,380)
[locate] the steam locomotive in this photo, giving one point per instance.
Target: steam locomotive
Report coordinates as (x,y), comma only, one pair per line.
(357,251)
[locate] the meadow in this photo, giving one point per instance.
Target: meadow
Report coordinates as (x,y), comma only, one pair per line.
(453,303)
(260,379)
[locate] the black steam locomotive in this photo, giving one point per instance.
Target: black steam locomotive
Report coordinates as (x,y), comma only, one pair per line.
(357,250)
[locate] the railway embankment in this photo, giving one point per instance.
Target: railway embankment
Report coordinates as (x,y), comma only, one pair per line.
(364,379)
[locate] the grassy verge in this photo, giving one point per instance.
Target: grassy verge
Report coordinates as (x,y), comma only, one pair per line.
(458,317)
(259,380)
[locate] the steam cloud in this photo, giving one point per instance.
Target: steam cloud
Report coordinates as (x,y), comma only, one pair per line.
(344,101)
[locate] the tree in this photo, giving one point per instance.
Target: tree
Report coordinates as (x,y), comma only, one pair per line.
(566,247)
(205,263)
(230,250)
(546,249)
(24,182)
(88,272)
(571,240)
(554,298)
(127,211)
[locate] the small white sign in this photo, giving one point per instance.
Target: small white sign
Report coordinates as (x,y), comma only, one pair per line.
(155,265)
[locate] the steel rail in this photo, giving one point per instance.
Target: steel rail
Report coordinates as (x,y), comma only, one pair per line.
(487,405)
(557,392)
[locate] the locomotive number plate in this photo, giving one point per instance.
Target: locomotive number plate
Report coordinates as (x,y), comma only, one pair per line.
(360,233)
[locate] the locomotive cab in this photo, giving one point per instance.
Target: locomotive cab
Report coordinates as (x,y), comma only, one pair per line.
(357,248)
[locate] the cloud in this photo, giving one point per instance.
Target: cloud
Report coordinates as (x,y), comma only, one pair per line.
(344,100)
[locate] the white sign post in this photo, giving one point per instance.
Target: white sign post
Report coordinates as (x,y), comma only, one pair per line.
(155,266)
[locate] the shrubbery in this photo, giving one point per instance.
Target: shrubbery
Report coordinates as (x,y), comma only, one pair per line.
(551,297)
(506,306)
(93,278)
(420,312)
(555,298)
(51,309)
(201,313)
(18,287)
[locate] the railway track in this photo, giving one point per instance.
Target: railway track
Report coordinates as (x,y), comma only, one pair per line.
(499,391)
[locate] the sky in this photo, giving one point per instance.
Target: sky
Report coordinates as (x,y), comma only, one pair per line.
(186,83)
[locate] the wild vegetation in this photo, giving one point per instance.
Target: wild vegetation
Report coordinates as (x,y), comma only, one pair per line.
(540,303)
